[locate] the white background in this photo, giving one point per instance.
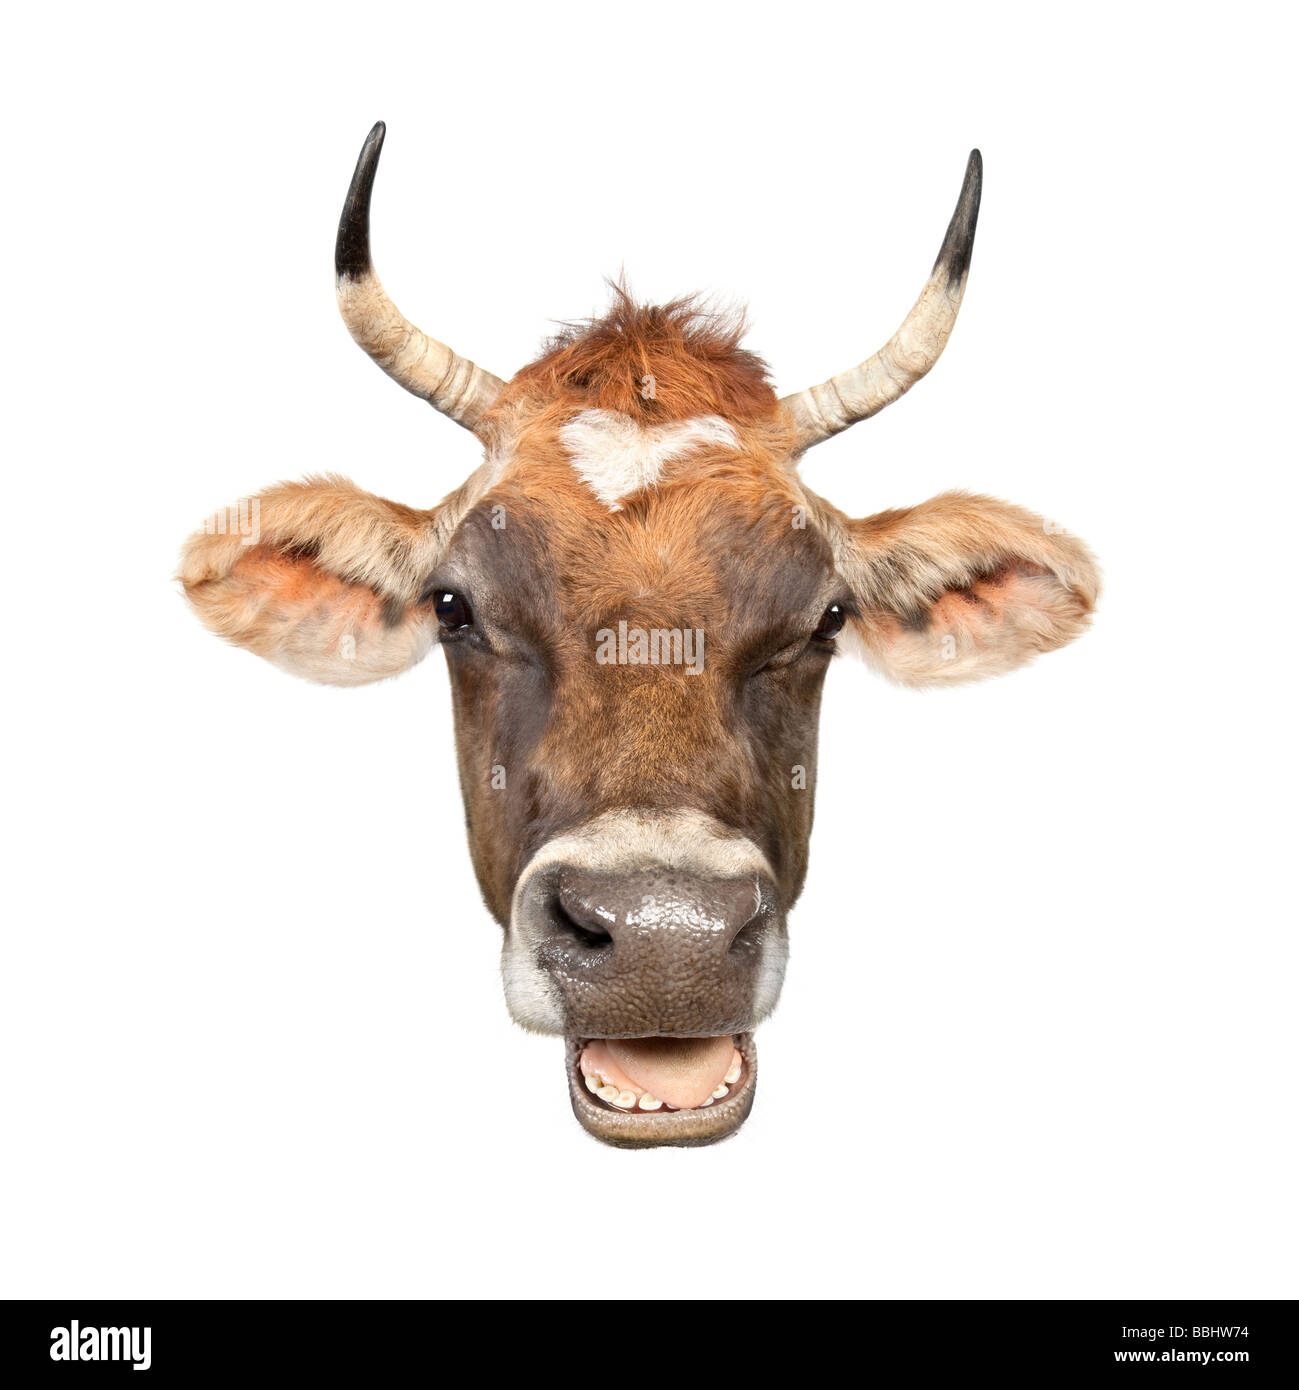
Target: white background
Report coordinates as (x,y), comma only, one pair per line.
(1037,1037)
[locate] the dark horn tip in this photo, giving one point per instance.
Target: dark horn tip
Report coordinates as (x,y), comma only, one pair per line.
(958,244)
(352,248)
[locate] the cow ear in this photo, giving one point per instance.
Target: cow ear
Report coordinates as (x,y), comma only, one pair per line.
(962,587)
(320,578)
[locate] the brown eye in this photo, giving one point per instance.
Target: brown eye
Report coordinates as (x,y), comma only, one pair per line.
(832,621)
(453,611)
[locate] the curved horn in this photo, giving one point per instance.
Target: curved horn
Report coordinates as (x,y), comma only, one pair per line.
(429,369)
(824,410)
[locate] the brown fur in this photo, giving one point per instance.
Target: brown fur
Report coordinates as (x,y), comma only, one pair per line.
(954,589)
(691,353)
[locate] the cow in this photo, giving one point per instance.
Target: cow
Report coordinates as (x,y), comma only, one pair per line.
(638,599)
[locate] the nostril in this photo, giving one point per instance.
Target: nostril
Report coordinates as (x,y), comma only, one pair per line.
(588,932)
(754,915)
(593,938)
(747,939)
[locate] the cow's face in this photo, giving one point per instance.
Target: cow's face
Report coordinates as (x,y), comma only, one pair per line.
(638,600)
(636,678)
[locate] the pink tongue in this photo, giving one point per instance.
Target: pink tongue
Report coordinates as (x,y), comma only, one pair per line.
(682,1071)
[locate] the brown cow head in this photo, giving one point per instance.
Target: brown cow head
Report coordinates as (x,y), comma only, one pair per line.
(638,600)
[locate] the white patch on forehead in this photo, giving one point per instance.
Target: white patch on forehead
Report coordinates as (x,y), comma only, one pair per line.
(615,457)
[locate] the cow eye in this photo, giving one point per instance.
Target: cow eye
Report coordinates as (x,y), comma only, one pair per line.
(832,621)
(453,611)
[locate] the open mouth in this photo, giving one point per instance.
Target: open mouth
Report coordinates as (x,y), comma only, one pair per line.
(639,1092)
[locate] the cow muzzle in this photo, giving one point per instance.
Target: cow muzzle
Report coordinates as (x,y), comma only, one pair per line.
(655,955)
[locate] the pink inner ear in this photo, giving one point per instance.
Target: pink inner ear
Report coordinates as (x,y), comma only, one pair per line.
(297,586)
(982,605)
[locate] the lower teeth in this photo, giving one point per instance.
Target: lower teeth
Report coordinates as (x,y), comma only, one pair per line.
(600,1085)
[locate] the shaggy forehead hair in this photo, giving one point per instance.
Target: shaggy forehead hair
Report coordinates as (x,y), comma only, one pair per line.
(655,363)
